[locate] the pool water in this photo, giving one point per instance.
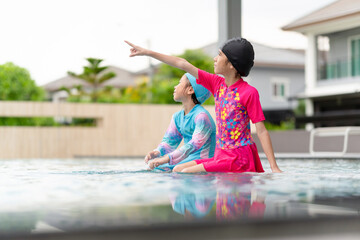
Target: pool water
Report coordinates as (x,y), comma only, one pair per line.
(74,194)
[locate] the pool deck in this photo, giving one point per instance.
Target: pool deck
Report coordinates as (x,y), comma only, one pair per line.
(348,156)
(295,144)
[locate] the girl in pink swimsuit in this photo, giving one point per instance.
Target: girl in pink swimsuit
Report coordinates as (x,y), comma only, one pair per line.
(236,103)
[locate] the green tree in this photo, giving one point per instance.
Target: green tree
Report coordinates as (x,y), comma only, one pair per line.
(166,78)
(196,57)
(16,84)
(94,75)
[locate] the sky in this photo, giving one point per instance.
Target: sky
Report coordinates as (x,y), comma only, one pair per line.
(51,37)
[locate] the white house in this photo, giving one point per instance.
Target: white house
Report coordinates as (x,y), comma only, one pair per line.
(332,67)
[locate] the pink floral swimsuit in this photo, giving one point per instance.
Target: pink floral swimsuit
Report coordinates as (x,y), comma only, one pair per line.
(235,106)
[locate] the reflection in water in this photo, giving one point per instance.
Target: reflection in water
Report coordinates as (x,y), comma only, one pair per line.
(73,195)
(232,196)
(192,205)
(191,201)
(239,205)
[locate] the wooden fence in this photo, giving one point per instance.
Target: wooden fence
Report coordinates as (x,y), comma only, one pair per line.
(121,130)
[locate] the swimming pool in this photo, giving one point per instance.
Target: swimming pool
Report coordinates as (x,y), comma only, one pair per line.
(67,195)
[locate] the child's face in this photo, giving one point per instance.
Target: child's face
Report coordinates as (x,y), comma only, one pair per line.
(182,90)
(221,63)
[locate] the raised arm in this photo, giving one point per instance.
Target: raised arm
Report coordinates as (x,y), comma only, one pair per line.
(170,60)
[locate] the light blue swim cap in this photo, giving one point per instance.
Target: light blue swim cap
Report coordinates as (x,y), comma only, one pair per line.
(201,93)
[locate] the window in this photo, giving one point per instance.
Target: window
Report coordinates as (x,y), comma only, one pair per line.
(355,56)
(323,49)
(279,88)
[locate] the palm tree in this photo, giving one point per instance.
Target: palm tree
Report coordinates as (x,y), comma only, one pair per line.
(92,74)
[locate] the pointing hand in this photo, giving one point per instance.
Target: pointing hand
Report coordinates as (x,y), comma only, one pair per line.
(136,50)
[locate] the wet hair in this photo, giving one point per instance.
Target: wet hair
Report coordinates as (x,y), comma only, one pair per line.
(193,96)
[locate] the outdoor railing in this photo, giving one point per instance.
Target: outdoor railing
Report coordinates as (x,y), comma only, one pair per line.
(331,132)
(340,68)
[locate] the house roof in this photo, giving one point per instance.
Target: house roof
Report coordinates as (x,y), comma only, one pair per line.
(67,82)
(336,11)
(123,78)
(266,56)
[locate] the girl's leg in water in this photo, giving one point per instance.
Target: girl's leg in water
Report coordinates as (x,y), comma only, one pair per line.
(194,169)
(180,167)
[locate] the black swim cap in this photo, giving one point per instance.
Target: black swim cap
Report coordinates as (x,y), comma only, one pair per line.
(240,53)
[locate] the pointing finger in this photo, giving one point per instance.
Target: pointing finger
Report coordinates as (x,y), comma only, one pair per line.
(129,43)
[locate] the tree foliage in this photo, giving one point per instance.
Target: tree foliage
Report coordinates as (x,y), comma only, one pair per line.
(160,91)
(94,75)
(165,79)
(16,84)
